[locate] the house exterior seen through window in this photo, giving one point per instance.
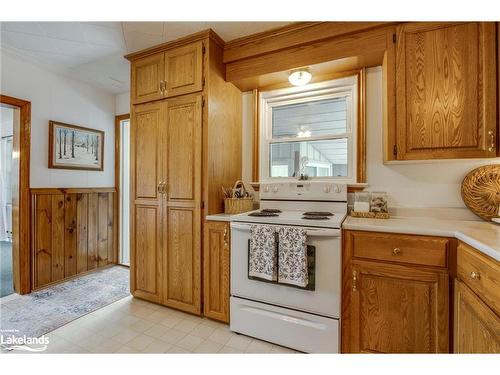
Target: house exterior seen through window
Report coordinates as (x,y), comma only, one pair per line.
(310,131)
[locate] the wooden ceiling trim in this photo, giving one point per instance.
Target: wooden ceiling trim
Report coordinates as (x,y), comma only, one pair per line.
(290,36)
(368,47)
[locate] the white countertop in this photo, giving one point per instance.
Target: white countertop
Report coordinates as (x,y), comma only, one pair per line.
(481,235)
(219,217)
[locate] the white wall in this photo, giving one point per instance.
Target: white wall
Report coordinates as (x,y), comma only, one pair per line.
(57,97)
(421,184)
(122,103)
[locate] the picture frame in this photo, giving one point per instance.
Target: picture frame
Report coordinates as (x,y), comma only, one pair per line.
(75,147)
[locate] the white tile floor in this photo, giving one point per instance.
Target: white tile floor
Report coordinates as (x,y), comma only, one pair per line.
(132,325)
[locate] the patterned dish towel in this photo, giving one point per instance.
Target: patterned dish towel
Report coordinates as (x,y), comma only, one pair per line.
(262,262)
(292,262)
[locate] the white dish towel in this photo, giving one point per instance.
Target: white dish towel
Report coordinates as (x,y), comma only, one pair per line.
(292,262)
(262,258)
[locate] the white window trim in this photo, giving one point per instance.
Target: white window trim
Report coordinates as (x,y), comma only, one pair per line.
(342,87)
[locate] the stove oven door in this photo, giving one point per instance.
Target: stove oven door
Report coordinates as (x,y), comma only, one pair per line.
(323,300)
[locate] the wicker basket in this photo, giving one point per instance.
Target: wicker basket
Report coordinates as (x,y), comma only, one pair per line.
(238,205)
(481,191)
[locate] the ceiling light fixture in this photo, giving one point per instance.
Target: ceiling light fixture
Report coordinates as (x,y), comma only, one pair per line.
(300,77)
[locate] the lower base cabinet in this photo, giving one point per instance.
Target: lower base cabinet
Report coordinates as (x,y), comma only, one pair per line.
(216,260)
(399,305)
(477,327)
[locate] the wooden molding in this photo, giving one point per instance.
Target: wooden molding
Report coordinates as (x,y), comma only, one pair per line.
(256,136)
(296,34)
(209,33)
(368,48)
(44,191)
(21,196)
(361,136)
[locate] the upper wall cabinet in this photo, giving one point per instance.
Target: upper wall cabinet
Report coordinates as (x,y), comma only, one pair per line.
(175,72)
(445,91)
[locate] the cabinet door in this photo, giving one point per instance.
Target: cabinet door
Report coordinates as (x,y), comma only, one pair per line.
(216,271)
(477,327)
(182,202)
(184,69)
(146,216)
(147,76)
(446,90)
(396,309)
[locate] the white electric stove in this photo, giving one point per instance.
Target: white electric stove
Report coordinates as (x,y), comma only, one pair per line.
(305,320)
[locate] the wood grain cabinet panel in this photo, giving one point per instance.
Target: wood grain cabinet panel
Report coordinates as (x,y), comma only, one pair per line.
(66,233)
(477,327)
(147,76)
(147,256)
(445,90)
(216,261)
(390,307)
(184,69)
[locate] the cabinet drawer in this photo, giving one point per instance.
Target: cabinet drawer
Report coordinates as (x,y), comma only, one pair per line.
(480,273)
(428,251)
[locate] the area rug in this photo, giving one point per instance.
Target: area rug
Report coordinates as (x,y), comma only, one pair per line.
(40,312)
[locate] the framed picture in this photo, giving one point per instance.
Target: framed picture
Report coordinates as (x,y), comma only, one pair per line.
(75,147)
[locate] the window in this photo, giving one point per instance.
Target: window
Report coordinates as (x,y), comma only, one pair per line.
(310,131)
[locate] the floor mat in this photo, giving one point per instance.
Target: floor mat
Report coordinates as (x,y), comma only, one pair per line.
(6,285)
(40,312)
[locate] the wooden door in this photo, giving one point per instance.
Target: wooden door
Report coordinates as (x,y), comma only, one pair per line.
(216,260)
(182,204)
(146,201)
(477,327)
(184,69)
(446,90)
(396,309)
(147,79)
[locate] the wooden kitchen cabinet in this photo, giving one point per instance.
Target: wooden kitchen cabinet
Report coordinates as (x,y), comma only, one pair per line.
(147,76)
(216,261)
(177,71)
(178,166)
(398,304)
(477,302)
(477,327)
(445,91)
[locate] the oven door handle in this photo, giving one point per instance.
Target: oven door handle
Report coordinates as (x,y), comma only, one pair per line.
(316,232)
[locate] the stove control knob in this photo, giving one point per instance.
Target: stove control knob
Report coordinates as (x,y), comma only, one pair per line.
(275,189)
(327,188)
(338,189)
(266,189)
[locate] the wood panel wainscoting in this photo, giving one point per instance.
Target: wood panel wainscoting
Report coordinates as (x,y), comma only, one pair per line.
(73,232)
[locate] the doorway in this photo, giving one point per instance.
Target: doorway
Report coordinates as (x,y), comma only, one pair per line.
(122,182)
(8,169)
(15,122)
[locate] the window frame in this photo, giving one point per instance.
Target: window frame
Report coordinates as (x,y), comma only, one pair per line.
(340,87)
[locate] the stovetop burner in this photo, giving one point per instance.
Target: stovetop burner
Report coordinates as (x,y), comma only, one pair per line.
(315,217)
(263,214)
(317,213)
(271,210)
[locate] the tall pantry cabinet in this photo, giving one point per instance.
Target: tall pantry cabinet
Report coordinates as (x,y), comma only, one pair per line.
(185,144)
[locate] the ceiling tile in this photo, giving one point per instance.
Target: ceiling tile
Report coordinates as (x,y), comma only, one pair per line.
(28,42)
(152,28)
(176,30)
(232,30)
(136,41)
(64,30)
(103,35)
(23,27)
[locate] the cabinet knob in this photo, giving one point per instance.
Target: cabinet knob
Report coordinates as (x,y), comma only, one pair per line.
(396,251)
(225,238)
(475,275)
(354,281)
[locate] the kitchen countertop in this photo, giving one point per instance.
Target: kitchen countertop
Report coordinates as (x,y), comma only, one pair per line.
(219,217)
(481,235)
